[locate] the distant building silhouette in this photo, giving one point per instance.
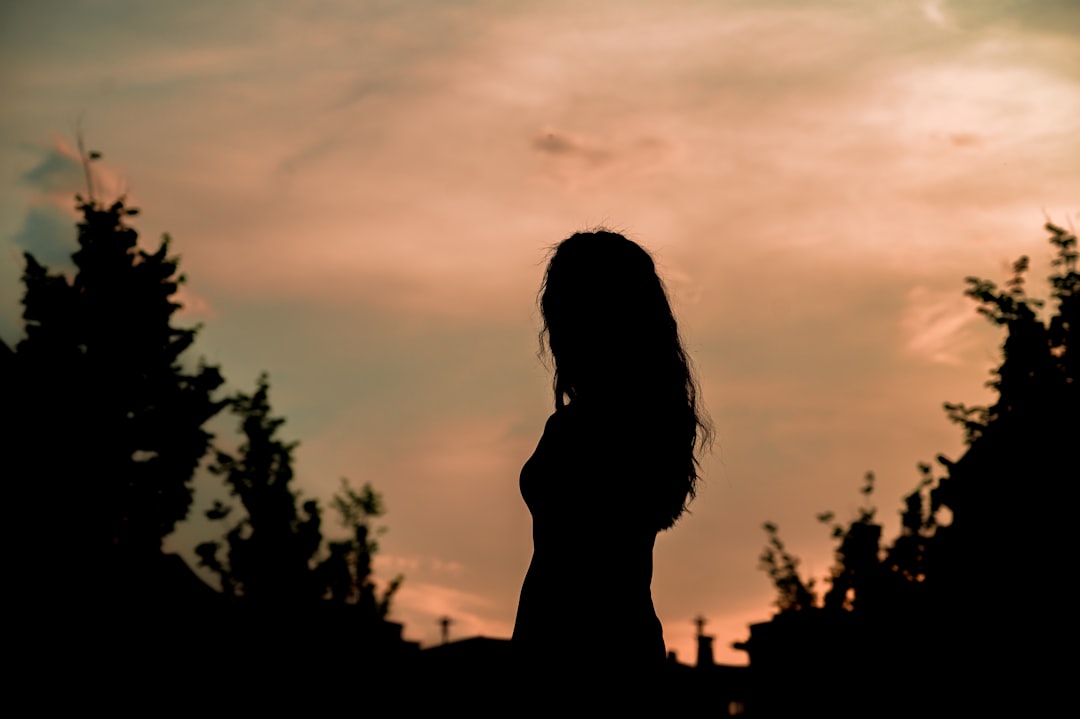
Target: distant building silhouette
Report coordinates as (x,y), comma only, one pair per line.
(476,673)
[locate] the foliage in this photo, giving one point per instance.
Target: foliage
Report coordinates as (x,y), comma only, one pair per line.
(965,610)
(793,594)
(1020,450)
(106,426)
(109,419)
(271,550)
(348,568)
(856,575)
(273,555)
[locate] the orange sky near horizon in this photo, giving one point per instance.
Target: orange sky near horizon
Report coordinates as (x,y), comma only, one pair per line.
(363,195)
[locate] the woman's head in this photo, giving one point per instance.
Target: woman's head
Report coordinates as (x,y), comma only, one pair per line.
(615,345)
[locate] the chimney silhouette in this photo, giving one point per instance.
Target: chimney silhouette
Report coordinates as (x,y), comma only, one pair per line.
(704,645)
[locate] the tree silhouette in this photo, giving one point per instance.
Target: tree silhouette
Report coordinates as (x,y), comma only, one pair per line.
(793,594)
(272,556)
(107,417)
(293,602)
(954,599)
(106,425)
(347,571)
(270,551)
(1021,450)
(856,579)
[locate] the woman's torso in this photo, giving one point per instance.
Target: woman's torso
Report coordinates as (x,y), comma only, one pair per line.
(587,593)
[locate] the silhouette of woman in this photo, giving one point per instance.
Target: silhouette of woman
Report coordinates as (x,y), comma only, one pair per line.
(616,464)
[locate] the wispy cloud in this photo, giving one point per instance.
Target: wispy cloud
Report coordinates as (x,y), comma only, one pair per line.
(934,324)
(421,606)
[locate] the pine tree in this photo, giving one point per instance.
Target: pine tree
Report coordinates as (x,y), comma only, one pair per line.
(108,417)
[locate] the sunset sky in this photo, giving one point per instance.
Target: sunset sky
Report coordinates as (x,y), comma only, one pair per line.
(363,195)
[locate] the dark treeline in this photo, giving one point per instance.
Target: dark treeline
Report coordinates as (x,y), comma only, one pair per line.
(107,418)
(963,612)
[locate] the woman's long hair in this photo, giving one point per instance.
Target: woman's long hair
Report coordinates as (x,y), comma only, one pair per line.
(615,344)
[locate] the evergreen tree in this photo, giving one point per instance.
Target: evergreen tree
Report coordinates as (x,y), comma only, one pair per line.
(107,418)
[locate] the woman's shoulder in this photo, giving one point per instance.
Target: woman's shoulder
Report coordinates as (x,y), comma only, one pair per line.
(568,415)
(562,426)
(607,419)
(601,428)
